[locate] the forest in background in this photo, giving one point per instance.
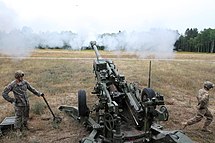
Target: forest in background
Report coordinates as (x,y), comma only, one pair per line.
(195,41)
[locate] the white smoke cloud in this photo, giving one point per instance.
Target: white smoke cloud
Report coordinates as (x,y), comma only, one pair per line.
(21,42)
(8,18)
(17,43)
(14,42)
(158,43)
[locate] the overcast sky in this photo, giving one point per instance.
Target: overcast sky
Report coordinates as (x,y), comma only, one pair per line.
(106,15)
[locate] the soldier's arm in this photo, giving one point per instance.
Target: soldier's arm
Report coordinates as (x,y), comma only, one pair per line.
(5,93)
(32,89)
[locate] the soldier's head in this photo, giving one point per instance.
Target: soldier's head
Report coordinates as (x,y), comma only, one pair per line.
(208,85)
(19,75)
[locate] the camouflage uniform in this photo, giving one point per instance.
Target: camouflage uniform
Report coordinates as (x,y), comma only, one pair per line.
(20,100)
(202,107)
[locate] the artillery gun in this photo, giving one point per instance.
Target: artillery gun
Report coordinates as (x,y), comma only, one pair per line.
(123,113)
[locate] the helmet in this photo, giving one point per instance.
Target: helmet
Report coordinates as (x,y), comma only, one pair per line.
(19,74)
(208,85)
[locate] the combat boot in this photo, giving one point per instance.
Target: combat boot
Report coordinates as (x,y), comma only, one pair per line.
(26,128)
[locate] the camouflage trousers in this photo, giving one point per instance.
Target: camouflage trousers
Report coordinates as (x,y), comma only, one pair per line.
(21,116)
(201,113)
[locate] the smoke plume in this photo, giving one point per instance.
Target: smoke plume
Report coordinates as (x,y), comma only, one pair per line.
(17,42)
(158,43)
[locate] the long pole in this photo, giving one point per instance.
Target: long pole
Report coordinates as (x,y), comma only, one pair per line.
(149,81)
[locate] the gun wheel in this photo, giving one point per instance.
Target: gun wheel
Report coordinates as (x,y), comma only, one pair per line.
(83,110)
(147,93)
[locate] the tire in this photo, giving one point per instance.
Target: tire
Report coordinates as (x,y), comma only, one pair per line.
(83,110)
(147,93)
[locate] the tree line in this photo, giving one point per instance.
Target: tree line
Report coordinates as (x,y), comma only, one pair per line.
(194,41)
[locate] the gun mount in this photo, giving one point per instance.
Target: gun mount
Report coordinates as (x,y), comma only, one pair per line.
(123,113)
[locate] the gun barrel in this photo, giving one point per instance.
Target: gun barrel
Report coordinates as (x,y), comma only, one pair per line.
(93,44)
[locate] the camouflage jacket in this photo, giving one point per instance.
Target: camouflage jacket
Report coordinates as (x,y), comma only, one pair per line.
(203,99)
(20,92)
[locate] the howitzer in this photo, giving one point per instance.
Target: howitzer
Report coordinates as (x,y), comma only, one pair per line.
(123,113)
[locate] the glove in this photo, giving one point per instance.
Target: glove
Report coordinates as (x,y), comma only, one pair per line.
(14,103)
(42,94)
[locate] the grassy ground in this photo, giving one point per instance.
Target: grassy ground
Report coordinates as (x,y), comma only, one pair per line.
(60,74)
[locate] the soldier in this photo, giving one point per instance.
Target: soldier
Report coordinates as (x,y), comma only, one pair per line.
(202,108)
(20,101)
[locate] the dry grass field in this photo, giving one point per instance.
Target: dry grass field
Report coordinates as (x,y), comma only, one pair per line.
(61,73)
